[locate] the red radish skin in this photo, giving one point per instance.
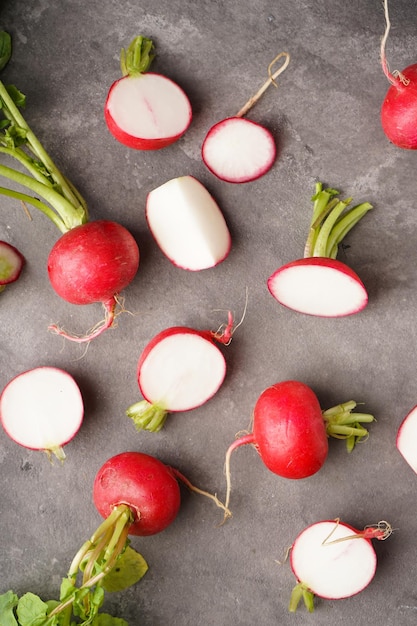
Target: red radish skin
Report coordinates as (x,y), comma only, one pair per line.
(91,263)
(333,560)
(406,441)
(11,263)
(42,409)
(145,110)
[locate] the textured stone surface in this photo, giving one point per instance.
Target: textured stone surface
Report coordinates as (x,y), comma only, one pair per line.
(325,117)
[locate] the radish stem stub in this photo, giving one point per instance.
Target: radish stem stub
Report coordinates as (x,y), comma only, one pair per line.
(42,409)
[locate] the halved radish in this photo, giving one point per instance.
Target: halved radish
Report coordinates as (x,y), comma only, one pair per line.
(407,439)
(145,111)
(238,150)
(188,224)
(178,370)
(11,263)
(332,560)
(319,284)
(42,409)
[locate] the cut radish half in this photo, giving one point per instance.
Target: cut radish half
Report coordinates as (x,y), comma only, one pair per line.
(238,150)
(407,439)
(332,560)
(187,224)
(11,263)
(319,286)
(145,111)
(179,370)
(42,409)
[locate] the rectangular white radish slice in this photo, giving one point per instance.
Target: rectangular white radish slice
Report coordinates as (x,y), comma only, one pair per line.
(187,224)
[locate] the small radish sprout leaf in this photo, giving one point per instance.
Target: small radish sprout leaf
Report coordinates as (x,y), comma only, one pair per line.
(130,568)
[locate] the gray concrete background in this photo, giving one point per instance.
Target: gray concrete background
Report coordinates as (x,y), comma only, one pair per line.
(325,117)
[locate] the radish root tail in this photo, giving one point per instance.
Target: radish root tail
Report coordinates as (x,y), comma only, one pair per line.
(98,329)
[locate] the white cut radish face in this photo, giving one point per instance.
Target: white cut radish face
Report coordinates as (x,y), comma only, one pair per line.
(322,290)
(181,372)
(238,150)
(332,570)
(407,439)
(187,224)
(42,409)
(149,107)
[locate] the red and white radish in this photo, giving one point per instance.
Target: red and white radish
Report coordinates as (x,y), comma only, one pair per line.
(179,369)
(319,284)
(238,150)
(144,110)
(290,431)
(107,259)
(399,108)
(188,224)
(42,409)
(11,264)
(407,439)
(332,560)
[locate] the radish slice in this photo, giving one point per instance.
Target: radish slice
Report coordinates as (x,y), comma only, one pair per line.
(238,150)
(407,438)
(11,263)
(42,409)
(319,286)
(187,224)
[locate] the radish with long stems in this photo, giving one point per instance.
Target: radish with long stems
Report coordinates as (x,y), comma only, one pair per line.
(332,560)
(290,431)
(145,110)
(42,409)
(178,370)
(399,108)
(238,150)
(92,261)
(188,224)
(11,264)
(319,284)
(137,495)
(406,440)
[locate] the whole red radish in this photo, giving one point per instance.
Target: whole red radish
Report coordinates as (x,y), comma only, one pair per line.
(42,409)
(319,284)
(238,150)
(188,224)
(48,190)
(93,262)
(178,370)
(399,108)
(333,560)
(290,431)
(144,110)
(11,264)
(406,441)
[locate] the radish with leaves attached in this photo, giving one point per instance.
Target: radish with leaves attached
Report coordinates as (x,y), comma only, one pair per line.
(238,150)
(11,264)
(92,261)
(42,409)
(399,108)
(137,495)
(290,431)
(144,110)
(333,560)
(319,284)
(179,369)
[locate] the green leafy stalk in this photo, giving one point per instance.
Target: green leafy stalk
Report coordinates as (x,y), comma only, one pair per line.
(331,221)
(301,592)
(138,57)
(5,49)
(341,423)
(147,416)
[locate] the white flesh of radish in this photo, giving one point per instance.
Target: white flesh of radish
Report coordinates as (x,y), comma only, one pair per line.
(407,439)
(149,106)
(182,372)
(332,570)
(318,290)
(187,224)
(238,150)
(42,409)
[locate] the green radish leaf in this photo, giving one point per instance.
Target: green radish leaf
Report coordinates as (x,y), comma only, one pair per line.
(107,620)
(8,601)
(17,96)
(130,567)
(31,610)
(5,49)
